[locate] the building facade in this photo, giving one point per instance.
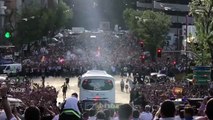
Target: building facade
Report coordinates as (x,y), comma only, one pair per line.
(178,10)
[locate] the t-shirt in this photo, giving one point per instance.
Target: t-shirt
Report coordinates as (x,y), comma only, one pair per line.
(3,115)
(146,116)
(92,118)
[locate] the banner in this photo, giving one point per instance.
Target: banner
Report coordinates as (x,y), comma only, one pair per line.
(17,90)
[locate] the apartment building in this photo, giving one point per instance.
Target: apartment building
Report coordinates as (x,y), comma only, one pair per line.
(178,10)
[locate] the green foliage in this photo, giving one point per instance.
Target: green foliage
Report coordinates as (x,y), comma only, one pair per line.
(36,22)
(202,11)
(203,56)
(130,20)
(62,15)
(150,26)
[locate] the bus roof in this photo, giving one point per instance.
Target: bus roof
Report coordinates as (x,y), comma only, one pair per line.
(10,64)
(96,73)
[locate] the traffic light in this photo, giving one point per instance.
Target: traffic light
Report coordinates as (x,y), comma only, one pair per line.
(7,35)
(159,52)
(174,63)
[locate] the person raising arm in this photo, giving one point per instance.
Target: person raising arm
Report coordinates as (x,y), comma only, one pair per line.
(5,104)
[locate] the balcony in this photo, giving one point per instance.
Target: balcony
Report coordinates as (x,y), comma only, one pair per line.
(172,7)
(177,12)
(174,1)
(163,6)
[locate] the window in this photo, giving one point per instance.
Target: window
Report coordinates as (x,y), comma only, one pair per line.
(97,84)
(175,1)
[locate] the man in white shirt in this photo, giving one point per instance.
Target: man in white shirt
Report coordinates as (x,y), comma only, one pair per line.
(146,114)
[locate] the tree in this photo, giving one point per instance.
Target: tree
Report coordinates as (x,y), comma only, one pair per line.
(36,22)
(61,17)
(200,51)
(202,11)
(27,25)
(150,26)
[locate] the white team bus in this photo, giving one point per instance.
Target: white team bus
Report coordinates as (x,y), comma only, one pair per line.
(96,85)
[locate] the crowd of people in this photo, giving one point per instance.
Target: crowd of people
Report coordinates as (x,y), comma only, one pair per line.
(75,54)
(72,110)
(22,93)
(118,54)
(79,53)
(155,93)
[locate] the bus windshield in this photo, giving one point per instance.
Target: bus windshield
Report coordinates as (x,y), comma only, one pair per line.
(2,67)
(97,84)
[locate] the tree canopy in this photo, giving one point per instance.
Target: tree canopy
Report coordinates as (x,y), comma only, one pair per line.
(202,11)
(152,27)
(36,22)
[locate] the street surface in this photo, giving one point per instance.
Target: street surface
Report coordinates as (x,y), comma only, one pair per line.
(57,82)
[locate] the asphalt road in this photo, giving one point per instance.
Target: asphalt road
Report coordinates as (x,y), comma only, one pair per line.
(57,82)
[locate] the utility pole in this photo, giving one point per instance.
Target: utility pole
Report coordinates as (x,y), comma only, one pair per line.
(186,34)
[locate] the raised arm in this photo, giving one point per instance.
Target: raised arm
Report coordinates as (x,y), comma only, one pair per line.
(5,103)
